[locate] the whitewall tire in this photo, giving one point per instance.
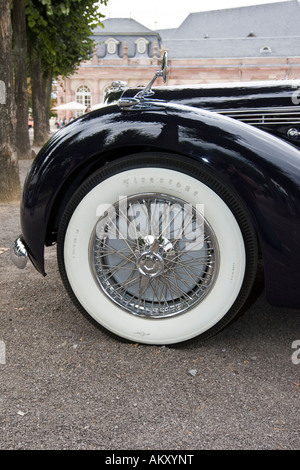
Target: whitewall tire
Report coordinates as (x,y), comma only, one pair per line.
(156,251)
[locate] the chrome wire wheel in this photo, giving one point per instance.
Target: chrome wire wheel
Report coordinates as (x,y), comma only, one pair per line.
(155,250)
(154,255)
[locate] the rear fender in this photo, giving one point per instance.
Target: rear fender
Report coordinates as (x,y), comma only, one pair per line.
(262,170)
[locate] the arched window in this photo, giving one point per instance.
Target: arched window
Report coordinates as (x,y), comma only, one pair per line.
(111,45)
(265,50)
(141,45)
(83,96)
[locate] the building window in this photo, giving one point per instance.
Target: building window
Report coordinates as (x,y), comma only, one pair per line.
(83,96)
(265,50)
(141,45)
(111,45)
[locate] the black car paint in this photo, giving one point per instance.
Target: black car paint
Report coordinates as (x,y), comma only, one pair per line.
(261,169)
(240,96)
(232,99)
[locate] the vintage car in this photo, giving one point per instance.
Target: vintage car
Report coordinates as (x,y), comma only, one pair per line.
(164,201)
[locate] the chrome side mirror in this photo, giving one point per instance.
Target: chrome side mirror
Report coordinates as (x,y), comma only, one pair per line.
(137,100)
(160,73)
(164,67)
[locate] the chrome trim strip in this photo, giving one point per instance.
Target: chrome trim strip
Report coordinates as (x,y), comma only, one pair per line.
(282,109)
(276,116)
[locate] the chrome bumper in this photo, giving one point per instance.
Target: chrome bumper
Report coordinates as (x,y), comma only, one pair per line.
(18,253)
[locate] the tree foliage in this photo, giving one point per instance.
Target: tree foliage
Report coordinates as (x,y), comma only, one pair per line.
(61,32)
(59,38)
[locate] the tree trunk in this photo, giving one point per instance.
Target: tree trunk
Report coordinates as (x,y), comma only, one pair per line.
(49,79)
(39,86)
(9,169)
(20,68)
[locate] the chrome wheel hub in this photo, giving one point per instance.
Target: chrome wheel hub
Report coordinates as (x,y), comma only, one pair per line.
(150,264)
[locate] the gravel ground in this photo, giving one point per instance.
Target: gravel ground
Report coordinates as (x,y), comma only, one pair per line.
(67,385)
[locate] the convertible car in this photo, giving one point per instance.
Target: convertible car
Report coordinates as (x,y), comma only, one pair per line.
(164,201)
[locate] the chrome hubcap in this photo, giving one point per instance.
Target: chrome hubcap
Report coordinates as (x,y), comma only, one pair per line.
(154,256)
(150,264)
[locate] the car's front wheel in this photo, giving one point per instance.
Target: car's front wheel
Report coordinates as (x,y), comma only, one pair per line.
(157,251)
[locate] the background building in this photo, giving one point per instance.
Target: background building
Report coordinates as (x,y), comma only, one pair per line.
(125,50)
(260,42)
